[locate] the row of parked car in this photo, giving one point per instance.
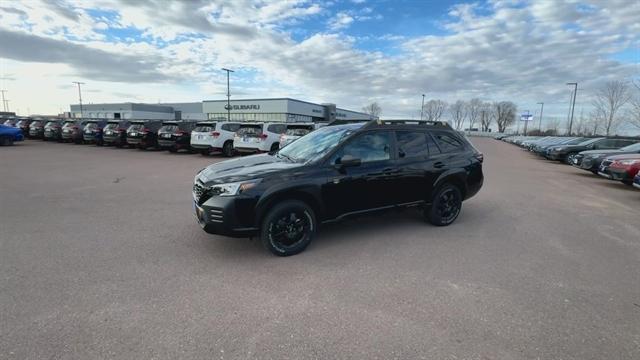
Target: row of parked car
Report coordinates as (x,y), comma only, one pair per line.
(205,137)
(612,158)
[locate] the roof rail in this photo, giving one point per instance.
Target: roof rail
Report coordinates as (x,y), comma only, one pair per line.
(374,123)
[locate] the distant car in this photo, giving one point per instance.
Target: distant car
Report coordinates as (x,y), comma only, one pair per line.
(143,134)
(115,132)
(590,160)
(23,124)
(53,130)
(259,137)
(294,132)
(636,181)
(214,136)
(92,133)
(10,134)
(10,122)
(175,135)
(624,167)
(72,131)
(562,152)
(36,129)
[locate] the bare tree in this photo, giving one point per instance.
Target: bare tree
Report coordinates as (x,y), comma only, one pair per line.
(505,112)
(458,113)
(552,125)
(373,109)
(434,109)
(608,102)
(486,116)
(634,111)
(474,106)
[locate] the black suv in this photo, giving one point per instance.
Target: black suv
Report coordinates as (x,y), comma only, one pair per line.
(115,132)
(335,172)
(175,135)
(143,134)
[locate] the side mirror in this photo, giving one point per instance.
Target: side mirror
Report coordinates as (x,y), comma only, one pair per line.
(348,161)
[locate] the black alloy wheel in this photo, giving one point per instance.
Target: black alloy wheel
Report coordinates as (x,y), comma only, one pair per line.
(446,206)
(288,228)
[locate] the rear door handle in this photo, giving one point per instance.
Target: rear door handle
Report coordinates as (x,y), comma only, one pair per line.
(438,165)
(391,171)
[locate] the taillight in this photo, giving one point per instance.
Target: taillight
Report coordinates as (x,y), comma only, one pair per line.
(178,133)
(215,134)
(145,131)
(263,136)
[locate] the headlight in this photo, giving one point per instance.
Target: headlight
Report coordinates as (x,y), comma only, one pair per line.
(233,189)
(558,149)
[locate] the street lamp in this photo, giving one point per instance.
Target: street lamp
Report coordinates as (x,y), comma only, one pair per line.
(541,109)
(422,108)
(80,96)
(228,107)
(573,106)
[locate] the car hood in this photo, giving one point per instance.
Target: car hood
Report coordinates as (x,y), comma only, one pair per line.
(603,152)
(244,168)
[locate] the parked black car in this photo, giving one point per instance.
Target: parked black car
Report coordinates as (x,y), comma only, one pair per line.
(563,152)
(143,134)
(335,172)
(590,160)
(72,130)
(115,132)
(93,131)
(53,130)
(176,135)
(36,129)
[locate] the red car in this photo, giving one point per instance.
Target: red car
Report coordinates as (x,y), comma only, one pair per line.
(624,167)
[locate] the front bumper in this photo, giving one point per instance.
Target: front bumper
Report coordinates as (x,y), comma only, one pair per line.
(228,216)
(636,181)
(619,174)
(553,155)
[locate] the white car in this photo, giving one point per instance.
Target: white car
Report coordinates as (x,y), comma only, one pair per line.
(258,137)
(214,136)
(294,132)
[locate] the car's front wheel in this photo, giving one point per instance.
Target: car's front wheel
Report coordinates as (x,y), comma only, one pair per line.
(288,228)
(445,206)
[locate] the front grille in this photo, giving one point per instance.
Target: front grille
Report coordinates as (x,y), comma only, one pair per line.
(215,214)
(201,193)
(587,163)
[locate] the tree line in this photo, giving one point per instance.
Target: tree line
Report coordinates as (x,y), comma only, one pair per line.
(615,104)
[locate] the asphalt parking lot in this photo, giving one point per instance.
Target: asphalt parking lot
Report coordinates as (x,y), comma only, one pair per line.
(101,257)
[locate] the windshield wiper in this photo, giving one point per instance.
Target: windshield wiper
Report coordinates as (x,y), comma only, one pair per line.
(285,156)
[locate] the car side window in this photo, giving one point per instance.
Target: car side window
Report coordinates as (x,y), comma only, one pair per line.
(412,144)
(447,142)
(368,147)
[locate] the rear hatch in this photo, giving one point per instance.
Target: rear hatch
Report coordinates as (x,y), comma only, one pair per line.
(204,133)
(51,128)
(69,129)
(166,131)
(111,129)
(136,130)
(294,132)
(91,129)
(249,134)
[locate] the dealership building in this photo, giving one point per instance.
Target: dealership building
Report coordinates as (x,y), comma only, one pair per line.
(259,110)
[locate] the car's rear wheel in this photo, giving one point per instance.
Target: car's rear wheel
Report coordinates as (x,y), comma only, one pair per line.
(445,206)
(288,228)
(227,149)
(6,141)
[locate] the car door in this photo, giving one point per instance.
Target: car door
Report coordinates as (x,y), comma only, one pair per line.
(369,185)
(448,154)
(417,153)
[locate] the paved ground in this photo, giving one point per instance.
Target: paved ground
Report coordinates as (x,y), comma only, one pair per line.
(100,257)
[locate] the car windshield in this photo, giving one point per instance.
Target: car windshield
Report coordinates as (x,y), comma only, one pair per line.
(168,128)
(632,147)
(111,126)
(205,127)
(317,143)
(250,130)
(91,126)
(589,142)
(136,127)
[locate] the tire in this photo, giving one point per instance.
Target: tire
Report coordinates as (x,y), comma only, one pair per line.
(627,182)
(173,150)
(6,141)
(204,152)
(445,206)
(288,228)
(567,159)
(274,147)
(227,148)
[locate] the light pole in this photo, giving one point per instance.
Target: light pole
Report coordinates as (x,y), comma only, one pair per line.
(228,107)
(4,104)
(422,108)
(573,106)
(541,109)
(80,96)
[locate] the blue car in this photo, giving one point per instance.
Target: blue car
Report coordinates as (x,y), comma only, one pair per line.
(10,134)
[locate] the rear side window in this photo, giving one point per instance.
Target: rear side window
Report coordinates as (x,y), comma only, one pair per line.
(277,128)
(412,144)
(447,142)
(230,127)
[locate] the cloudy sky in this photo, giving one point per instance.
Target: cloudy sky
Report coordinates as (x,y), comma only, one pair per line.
(347,52)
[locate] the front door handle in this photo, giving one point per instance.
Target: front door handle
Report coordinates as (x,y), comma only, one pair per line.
(438,165)
(389,171)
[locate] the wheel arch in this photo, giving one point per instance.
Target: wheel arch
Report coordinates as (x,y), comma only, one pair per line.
(457,178)
(304,194)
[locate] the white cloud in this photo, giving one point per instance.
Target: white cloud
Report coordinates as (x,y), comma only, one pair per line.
(340,21)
